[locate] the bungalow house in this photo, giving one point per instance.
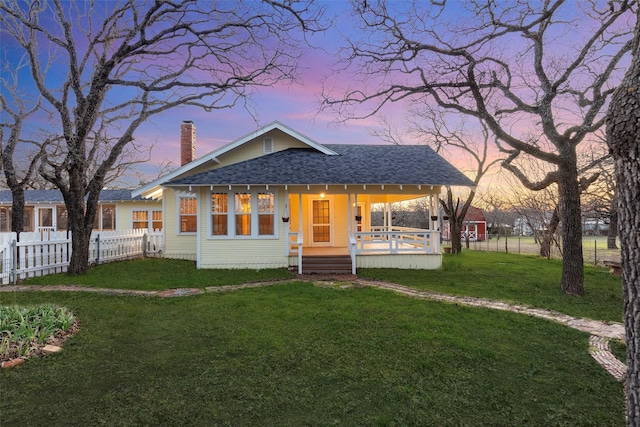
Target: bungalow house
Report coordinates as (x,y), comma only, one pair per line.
(276,198)
(118,210)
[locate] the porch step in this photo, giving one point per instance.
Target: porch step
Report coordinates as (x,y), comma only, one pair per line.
(328,264)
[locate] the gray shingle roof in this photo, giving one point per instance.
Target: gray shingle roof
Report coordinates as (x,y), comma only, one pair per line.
(355,164)
(55,196)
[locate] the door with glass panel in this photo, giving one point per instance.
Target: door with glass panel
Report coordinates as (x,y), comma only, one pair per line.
(321,233)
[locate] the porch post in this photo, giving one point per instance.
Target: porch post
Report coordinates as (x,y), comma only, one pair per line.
(355,212)
(287,227)
(349,228)
(300,233)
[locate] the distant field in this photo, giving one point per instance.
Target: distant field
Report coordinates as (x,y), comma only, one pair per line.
(594,248)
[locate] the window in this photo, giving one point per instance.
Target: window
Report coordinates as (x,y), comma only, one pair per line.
(62,218)
(45,218)
(266,214)
(29,216)
(219,214)
(108,217)
(188,215)
(243,214)
(248,214)
(140,219)
(156,223)
(151,220)
(5,219)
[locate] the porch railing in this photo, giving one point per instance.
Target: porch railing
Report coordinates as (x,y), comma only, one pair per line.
(294,247)
(396,240)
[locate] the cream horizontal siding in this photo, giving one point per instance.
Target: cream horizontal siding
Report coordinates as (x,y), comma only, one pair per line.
(257,253)
(124,211)
(254,148)
(404,261)
(251,253)
(176,245)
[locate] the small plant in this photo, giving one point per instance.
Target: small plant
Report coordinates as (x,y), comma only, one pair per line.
(22,329)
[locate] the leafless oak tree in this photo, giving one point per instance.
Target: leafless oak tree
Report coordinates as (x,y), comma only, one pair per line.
(119,63)
(524,68)
(450,134)
(623,137)
(13,114)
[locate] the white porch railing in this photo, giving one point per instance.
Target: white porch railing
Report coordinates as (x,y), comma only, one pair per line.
(294,247)
(394,240)
(38,255)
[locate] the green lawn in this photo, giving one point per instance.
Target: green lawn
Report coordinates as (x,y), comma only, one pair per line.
(297,354)
(154,274)
(523,279)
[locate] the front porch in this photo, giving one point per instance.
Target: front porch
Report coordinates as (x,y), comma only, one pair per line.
(381,247)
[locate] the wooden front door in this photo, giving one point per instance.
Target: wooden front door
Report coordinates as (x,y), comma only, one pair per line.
(321,227)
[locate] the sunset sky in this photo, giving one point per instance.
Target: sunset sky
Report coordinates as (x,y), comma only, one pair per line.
(295,105)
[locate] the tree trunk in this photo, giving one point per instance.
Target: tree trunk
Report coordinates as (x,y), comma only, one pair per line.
(17,210)
(613,223)
(572,282)
(456,238)
(81,217)
(623,137)
(547,237)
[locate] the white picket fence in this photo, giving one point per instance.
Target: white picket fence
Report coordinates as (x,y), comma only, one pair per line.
(35,254)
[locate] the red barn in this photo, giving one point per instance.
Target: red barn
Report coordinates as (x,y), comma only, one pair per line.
(474,223)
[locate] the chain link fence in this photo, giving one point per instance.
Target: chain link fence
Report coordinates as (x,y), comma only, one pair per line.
(594,249)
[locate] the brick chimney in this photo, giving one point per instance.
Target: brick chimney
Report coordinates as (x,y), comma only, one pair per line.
(187,142)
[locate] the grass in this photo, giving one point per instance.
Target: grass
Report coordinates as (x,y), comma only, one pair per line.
(619,349)
(523,279)
(153,274)
(297,354)
(514,278)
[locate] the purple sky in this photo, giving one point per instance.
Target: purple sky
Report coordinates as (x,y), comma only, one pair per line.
(296,105)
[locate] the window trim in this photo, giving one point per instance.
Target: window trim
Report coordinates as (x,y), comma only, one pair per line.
(179,198)
(231,215)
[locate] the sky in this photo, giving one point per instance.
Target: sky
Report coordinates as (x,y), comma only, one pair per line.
(295,105)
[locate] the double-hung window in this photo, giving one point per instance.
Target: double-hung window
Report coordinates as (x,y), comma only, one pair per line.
(245,214)
(266,215)
(219,214)
(188,214)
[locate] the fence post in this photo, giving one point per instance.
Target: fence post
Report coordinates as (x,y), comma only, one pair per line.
(145,239)
(13,278)
(97,249)
(595,252)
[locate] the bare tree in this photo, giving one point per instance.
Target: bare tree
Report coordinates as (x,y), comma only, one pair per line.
(623,137)
(450,134)
(126,61)
(16,112)
(510,64)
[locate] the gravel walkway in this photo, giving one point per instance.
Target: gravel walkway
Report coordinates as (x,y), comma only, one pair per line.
(601,332)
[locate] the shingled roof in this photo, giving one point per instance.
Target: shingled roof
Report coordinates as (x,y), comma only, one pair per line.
(354,164)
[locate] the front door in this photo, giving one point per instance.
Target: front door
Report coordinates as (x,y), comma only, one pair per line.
(321,233)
